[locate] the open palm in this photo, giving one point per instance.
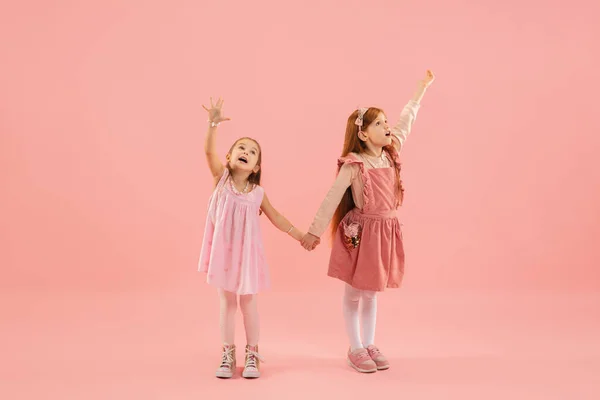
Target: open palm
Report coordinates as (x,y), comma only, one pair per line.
(215,112)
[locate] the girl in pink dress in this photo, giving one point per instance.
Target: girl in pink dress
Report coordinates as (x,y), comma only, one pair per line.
(367,253)
(232,252)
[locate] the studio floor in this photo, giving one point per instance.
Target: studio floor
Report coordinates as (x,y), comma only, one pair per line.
(164,344)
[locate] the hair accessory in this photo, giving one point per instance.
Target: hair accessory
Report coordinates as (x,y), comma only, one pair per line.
(361,114)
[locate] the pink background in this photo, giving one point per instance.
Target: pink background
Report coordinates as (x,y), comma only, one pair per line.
(105,187)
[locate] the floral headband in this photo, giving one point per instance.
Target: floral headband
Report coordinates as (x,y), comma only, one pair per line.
(359,118)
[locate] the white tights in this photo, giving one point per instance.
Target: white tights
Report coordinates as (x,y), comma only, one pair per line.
(368,316)
(249,307)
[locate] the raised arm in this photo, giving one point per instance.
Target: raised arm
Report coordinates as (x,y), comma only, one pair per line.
(215,117)
(279,220)
(409,114)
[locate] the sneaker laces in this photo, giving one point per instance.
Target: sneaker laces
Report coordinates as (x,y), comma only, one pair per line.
(227,358)
(374,350)
(251,357)
(361,355)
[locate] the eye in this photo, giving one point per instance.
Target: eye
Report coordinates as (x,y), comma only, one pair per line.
(377,124)
(253,152)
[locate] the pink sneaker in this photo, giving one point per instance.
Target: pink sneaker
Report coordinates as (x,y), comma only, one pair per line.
(379,359)
(252,365)
(227,367)
(360,360)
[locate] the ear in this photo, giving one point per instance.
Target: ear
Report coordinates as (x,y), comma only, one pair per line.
(362,135)
(227,156)
(256,169)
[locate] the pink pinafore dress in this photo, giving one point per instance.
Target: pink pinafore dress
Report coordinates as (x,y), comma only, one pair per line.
(368,252)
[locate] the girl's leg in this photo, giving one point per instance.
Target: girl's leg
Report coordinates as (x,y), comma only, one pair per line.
(350,307)
(368,322)
(227,317)
(228,303)
(358,356)
(368,317)
(249,306)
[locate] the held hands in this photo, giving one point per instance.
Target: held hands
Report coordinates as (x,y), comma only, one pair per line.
(215,112)
(428,80)
(310,241)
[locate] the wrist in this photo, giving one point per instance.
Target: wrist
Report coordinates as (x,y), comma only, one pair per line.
(212,124)
(292,231)
(295,233)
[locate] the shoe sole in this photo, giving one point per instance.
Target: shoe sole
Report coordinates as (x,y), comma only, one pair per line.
(225,374)
(251,375)
(364,371)
(383,368)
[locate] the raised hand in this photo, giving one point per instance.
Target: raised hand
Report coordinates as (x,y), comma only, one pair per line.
(429,78)
(215,112)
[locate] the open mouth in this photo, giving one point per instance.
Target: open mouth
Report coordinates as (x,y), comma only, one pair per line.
(243,159)
(388,134)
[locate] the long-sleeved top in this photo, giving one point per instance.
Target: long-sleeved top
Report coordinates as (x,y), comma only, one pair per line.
(349,173)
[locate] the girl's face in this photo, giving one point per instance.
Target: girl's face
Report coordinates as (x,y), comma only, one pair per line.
(244,156)
(378,132)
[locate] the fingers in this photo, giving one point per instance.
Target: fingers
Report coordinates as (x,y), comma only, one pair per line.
(203,106)
(219,103)
(312,245)
(308,244)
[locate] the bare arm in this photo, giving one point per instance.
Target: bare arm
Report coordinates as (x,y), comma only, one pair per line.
(420,92)
(279,220)
(210,148)
(215,117)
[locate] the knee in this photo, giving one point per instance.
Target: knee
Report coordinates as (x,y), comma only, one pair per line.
(352,296)
(369,296)
(247,303)
(229,302)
